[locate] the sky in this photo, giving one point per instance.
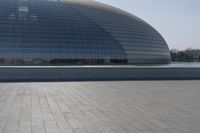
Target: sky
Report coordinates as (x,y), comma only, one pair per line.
(178,21)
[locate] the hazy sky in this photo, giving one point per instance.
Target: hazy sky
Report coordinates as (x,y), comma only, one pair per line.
(177,20)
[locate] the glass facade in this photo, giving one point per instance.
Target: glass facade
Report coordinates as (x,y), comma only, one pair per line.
(44,32)
(50,32)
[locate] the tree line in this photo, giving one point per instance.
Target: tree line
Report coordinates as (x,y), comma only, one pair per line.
(188,55)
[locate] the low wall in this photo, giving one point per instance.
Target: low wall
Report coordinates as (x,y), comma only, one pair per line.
(95,73)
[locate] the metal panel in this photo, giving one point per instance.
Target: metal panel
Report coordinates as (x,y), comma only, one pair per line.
(127,29)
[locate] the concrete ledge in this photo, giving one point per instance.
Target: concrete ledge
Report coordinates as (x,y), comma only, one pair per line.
(95,73)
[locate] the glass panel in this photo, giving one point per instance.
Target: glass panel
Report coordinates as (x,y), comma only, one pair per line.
(46,32)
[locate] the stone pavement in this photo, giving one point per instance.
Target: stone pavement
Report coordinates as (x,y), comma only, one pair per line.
(100,107)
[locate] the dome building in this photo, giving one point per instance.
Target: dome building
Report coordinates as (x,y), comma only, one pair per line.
(72,32)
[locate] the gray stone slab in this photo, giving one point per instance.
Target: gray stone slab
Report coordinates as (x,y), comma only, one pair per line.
(100,107)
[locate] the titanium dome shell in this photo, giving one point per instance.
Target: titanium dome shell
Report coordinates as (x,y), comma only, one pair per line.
(42,32)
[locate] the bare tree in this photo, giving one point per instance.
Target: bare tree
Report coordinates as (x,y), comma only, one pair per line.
(188,55)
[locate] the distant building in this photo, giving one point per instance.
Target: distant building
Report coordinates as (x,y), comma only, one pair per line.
(47,32)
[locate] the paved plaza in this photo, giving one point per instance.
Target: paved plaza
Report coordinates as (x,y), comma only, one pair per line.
(100,107)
